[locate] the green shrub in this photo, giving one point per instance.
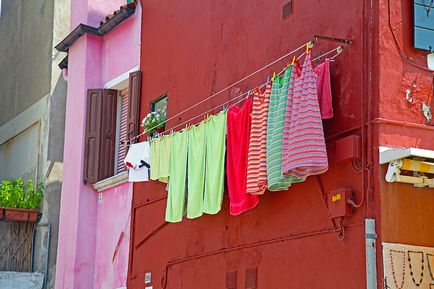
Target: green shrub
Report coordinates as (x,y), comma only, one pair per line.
(16,194)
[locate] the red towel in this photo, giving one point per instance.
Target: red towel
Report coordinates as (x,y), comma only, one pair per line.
(238,137)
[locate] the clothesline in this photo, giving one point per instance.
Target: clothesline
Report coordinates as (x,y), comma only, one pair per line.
(338,51)
(240,98)
(224,89)
(246,94)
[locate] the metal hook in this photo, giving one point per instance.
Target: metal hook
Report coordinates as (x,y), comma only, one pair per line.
(428,10)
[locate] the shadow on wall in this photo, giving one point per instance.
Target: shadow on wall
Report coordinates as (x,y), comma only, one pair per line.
(57,121)
(45,247)
(53,179)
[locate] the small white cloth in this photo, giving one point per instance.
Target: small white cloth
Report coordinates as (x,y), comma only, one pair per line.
(137,154)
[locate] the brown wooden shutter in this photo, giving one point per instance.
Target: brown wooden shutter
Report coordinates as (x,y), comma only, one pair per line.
(92,135)
(134,104)
(108,134)
(100,135)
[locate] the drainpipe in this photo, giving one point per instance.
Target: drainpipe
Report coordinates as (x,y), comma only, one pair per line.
(371,260)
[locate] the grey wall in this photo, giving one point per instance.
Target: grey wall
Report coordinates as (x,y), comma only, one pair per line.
(32,107)
(25,54)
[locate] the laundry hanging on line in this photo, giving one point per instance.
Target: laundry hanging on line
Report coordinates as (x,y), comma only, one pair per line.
(276,117)
(324,89)
(160,158)
(279,142)
(196,178)
(178,173)
(304,150)
(238,138)
(257,181)
(137,161)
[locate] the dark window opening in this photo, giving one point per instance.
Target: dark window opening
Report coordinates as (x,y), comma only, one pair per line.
(287,9)
(159,105)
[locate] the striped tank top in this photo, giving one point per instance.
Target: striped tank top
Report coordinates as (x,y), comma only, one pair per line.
(257,160)
(276,118)
(304,150)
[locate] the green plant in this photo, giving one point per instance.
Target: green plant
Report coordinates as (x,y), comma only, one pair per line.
(16,194)
(154,120)
(34,195)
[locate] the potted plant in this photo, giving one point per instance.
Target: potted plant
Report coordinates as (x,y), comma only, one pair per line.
(19,201)
(155,121)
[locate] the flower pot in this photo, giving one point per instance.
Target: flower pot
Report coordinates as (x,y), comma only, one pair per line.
(21,215)
(2,213)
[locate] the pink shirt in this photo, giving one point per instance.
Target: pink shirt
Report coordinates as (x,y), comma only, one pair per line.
(324,89)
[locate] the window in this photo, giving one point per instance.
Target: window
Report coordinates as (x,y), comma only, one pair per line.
(159,104)
(424,24)
(111,116)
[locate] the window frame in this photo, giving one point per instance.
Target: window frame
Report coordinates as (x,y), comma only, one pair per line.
(155,101)
(118,83)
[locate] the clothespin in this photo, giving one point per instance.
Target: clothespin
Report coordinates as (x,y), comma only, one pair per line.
(309,46)
(294,59)
(268,79)
(274,75)
(171,131)
(339,50)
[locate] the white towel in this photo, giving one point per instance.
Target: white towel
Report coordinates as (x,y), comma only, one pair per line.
(137,160)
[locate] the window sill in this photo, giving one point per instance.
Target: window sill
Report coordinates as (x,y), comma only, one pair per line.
(111,182)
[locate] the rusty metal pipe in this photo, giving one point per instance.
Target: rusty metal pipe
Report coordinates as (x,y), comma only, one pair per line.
(401,123)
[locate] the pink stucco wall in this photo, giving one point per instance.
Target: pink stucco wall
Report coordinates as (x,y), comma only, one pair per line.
(89,233)
(121,49)
(113,219)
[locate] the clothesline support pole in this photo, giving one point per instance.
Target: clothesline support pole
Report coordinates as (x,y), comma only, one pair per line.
(335,39)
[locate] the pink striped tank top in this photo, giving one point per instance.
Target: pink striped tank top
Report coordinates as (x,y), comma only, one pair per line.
(304,151)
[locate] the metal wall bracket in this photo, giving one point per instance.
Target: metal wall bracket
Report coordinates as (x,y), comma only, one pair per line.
(335,39)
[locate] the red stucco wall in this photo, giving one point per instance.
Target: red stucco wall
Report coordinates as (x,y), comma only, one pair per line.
(407,212)
(193,49)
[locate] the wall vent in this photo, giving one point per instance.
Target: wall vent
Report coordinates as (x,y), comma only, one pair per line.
(251,278)
(287,9)
(231,280)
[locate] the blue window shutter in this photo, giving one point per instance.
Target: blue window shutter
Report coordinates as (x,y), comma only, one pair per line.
(424,25)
